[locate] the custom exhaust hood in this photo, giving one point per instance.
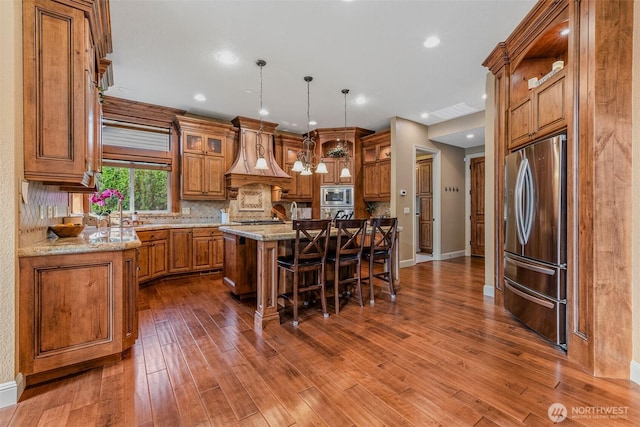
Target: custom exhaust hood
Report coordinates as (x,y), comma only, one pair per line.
(243,171)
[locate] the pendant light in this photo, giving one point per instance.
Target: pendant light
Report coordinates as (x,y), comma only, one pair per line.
(261,162)
(305,162)
(345,173)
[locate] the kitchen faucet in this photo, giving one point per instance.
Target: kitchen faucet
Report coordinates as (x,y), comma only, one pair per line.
(294,211)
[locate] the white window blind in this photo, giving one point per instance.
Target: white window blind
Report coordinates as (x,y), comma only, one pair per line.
(125,135)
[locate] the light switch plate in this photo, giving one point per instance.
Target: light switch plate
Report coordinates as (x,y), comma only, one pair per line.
(186,211)
(407,210)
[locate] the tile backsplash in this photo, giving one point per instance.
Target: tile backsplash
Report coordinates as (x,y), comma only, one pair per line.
(43,205)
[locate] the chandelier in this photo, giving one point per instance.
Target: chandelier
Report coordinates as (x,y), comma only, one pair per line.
(261,162)
(345,173)
(306,158)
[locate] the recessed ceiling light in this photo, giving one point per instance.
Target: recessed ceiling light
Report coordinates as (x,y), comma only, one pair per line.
(564,32)
(226,57)
(431,41)
(312,123)
(469,136)
(264,112)
(484,96)
(424,115)
(361,100)
(199,97)
(247,91)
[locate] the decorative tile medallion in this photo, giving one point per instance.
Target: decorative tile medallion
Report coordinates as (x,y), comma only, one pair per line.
(251,200)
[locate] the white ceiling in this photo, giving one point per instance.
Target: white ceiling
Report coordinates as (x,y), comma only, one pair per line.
(165,53)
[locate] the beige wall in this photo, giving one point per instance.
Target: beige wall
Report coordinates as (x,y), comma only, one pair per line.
(10,169)
(635,194)
(405,137)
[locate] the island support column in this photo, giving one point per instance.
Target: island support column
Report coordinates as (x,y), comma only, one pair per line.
(267,286)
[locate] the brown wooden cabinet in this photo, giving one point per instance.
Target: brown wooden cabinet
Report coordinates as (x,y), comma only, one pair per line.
(376,166)
(541,113)
(153,254)
(180,250)
(207,249)
(75,311)
(240,265)
(300,189)
(61,109)
(334,168)
(204,158)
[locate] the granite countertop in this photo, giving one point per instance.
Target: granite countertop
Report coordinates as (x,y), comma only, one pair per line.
(267,232)
(151,227)
(90,240)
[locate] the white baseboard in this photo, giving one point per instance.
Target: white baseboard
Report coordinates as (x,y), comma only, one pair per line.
(407,263)
(635,372)
(449,255)
(488,291)
(10,391)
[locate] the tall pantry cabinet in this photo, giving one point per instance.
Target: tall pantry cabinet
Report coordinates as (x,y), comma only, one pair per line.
(590,100)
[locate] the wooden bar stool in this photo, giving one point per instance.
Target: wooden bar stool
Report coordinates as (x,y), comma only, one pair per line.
(348,253)
(380,251)
(309,255)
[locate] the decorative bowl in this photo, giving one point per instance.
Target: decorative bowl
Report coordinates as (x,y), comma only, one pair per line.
(67,230)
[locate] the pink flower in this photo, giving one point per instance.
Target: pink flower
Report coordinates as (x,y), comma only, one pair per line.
(100,198)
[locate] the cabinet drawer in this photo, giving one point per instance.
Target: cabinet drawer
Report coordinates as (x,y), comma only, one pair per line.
(203,232)
(147,236)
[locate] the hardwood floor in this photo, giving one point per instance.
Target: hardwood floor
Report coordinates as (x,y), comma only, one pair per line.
(442,354)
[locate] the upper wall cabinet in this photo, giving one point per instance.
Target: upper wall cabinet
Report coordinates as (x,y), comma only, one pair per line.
(376,168)
(62,48)
(203,147)
(537,101)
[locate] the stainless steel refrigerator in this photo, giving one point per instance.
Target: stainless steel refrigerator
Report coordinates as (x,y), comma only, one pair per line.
(535,243)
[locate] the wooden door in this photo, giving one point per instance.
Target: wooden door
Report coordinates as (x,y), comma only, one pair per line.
(425,185)
(180,250)
(425,191)
(214,177)
(218,250)
(144,265)
(477,206)
(426,224)
(192,180)
(159,256)
(370,181)
(384,179)
(202,250)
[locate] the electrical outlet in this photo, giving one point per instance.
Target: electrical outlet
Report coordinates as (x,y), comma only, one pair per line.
(407,210)
(186,211)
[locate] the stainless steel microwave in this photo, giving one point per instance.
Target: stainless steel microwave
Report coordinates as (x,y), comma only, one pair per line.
(336,195)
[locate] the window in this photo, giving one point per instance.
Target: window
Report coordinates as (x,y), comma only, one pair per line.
(137,162)
(144,190)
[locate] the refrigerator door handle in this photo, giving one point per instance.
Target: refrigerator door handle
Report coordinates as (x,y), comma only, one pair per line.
(529,297)
(529,199)
(517,202)
(536,268)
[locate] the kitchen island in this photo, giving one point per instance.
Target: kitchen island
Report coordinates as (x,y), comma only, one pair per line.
(270,241)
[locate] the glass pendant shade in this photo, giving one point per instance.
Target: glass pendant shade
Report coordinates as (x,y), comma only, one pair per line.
(297,166)
(344,173)
(321,168)
(261,163)
(306,171)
